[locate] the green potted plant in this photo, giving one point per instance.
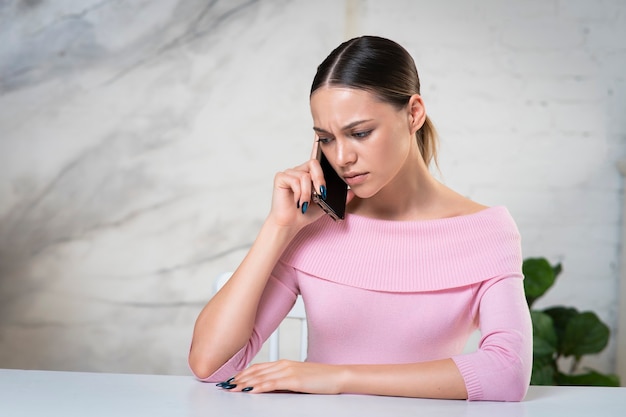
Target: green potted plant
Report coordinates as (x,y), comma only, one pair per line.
(562,332)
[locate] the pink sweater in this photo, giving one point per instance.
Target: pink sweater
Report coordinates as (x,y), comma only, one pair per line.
(384,292)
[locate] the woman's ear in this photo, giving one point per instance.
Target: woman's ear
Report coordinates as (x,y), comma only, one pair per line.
(417,113)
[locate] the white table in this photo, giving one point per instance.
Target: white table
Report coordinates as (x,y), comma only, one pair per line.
(68,394)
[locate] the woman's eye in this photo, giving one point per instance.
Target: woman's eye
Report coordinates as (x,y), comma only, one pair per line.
(361,135)
(324,140)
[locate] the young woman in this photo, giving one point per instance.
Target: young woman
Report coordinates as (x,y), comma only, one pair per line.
(393,291)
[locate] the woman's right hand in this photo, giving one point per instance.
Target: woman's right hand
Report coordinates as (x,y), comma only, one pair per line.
(292,205)
(227,321)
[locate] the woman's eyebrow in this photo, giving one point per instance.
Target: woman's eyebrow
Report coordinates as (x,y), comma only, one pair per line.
(346,127)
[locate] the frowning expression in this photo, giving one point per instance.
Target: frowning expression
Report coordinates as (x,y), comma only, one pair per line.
(367,141)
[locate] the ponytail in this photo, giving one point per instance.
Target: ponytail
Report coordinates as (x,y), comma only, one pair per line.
(428,141)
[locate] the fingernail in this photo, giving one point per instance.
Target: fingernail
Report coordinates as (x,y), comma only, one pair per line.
(323,191)
(229,386)
(247,389)
(223,384)
(305,206)
(298,204)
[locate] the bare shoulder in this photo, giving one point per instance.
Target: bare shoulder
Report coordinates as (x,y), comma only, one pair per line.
(458,205)
(470,207)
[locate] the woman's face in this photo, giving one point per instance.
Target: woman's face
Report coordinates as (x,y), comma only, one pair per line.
(368,142)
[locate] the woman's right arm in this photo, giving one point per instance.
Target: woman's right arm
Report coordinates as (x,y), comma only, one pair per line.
(225,324)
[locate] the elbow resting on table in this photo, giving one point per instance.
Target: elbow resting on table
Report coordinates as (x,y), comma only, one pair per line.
(213,368)
(513,385)
(510,386)
(496,373)
(200,366)
(519,395)
(517,389)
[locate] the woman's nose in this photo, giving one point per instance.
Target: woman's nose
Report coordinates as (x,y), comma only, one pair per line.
(345,155)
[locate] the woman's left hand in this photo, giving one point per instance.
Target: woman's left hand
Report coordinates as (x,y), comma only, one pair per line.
(285,375)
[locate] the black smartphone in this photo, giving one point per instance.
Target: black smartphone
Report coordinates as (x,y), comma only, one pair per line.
(336,190)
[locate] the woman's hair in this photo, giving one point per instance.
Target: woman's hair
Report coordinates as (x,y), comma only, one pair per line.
(383,68)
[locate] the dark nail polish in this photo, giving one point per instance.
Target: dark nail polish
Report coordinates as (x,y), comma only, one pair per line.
(223,384)
(305,206)
(298,204)
(229,386)
(247,389)
(323,192)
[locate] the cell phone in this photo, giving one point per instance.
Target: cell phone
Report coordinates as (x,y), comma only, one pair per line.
(336,189)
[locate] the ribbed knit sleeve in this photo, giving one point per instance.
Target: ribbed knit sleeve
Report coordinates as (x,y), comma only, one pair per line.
(409,256)
(501,367)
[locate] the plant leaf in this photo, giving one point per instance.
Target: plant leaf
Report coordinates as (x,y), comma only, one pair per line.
(544,335)
(561,316)
(591,378)
(585,334)
(539,276)
(544,371)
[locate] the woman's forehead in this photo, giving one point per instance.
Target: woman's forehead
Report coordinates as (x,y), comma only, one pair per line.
(343,106)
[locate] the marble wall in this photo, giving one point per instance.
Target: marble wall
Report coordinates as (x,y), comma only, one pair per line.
(139,139)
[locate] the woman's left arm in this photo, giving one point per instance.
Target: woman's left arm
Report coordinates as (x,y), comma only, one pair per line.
(501,367)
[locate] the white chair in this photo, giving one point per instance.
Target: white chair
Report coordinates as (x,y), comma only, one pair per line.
(297,312)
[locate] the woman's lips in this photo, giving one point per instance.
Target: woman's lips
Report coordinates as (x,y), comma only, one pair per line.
(355,179)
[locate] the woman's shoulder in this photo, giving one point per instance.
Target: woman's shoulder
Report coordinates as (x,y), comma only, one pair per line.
(467,207)
(453,204)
